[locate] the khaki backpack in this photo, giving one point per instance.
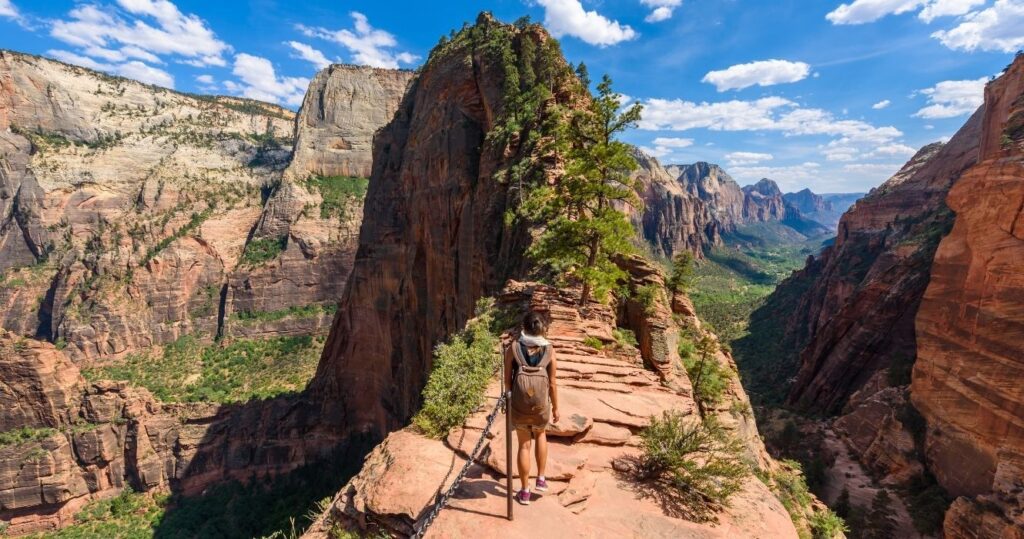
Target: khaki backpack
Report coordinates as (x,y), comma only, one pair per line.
(530,389)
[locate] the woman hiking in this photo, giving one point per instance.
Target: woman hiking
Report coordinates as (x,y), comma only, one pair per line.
(530,373)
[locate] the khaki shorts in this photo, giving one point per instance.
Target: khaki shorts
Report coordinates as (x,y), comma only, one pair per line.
(533,429)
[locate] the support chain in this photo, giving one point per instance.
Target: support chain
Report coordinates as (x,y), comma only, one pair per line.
(443,500)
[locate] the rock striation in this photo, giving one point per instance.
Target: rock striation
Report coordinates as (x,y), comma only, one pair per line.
(970,331)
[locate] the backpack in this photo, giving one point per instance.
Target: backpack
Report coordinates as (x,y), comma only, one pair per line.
(530,388)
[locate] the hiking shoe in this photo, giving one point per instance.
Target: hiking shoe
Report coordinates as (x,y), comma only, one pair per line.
(523,497)
(542,485)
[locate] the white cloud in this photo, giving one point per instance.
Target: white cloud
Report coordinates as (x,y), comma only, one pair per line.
(881,104)
(887,169)
(762,73)
(310,54)
(946,8)
(259,81)
(368,45)
(864,11)
(567,17)
(662,9)
(204,79)
(658,151)
(133,69)
(8,10)
(673,142)
(998,28)
(893,150)
(952,98)
(747,158)
(99,30)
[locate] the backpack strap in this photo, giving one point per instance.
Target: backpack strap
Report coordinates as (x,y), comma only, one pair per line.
(546,358)
(517,354)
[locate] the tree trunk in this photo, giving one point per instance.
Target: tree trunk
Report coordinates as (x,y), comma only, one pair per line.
(595,247)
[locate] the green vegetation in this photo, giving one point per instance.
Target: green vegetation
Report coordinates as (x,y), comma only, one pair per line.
(337,192)
(128,515)
(648,296)
(189,371)
(789,486)
(260,250)
(593,342)
(25,435)
(192,224)
(827,525)
(708,377)
(462,367)
(625,337)
(681,276)
(927,503)
(696,466)
(305,311)
(584,231)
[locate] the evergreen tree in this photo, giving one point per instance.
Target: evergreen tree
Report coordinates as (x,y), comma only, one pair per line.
(881,521)
(682,272)
(842,504)
(585,226)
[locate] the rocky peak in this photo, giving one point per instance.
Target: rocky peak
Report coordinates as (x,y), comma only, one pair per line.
(765,188)
(716,188)
(807,202)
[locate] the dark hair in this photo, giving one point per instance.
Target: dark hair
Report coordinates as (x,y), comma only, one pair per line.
(534,324)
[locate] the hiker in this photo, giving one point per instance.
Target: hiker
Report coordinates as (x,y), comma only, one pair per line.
(530,373)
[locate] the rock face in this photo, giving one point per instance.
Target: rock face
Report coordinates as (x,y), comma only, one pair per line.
(856,313)
(606,396)
(763,202)
(716,188)
(132,215)
(970,331)
(673,219)
(433,238)
(344,106)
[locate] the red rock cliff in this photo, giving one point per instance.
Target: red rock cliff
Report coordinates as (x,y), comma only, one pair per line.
(968,381)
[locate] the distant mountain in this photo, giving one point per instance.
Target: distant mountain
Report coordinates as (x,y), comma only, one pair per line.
(825,208)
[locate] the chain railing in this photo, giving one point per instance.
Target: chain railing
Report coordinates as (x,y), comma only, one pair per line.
(473,455)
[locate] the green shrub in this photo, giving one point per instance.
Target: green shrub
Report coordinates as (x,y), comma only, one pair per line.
(337,192)
(881,518)
(687,349)
(193,223)
(681,277)
(260,250)
(792,490)
(648,296)
(593,342)
(25,435)
(295,311)
(625,337)
(61,343)
(698,461)
(827,525)
(708,377)
(462,368)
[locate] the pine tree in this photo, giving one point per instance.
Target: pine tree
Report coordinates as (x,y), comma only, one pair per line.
(585,226)
(842,504)
(881,521)
(682,272)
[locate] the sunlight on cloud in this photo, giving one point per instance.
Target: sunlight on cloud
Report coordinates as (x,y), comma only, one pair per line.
(260,81)
(673,142)
(8,10)
(662,11)
(369,46)
(947,8)
(309,54)
(864,11)
(998,28)
(952,98)
(881,104)
(761,73)
(567,17)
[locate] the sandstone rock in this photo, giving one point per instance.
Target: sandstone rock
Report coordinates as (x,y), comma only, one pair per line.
(39,385)
(716,188)
(570,425)
(606,434)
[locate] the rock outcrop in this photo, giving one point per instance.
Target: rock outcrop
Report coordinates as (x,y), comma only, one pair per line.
(763,202)
(132,215)
(716,188)
(967,380)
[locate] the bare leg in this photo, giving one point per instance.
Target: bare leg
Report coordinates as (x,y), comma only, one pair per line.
(523,435)
(542,452)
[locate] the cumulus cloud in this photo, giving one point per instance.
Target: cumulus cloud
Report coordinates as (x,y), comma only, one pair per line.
(893,150)
(945,8)
(662,9)
(204,79)
(260,81)
(568,18)
(673,142)
(133,69)
(952,98)
(747,158)
(309,54)
(761,73)
(998,28)
(368,45)
(881,104)
(864,11)
(8,10)
(141,29)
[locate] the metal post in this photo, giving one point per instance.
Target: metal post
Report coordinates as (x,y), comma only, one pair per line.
(507,392)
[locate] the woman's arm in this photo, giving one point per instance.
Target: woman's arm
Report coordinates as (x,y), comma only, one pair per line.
(553,386)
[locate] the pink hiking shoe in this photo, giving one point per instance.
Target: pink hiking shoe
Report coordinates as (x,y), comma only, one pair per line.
(523,497)
(542,484)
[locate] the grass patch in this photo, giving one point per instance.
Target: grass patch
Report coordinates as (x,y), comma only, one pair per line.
(593,342)
(259,251)
(190,371)
(462,368)
(337,193)
(304,311)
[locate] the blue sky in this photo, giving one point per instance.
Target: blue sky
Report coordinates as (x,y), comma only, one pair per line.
(824,94)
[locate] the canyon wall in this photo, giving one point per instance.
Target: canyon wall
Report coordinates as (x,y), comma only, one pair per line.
(967,380)
(132,215)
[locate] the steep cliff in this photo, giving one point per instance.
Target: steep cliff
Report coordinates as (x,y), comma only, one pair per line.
(967,380)
(716,188)
(132,215)
(763,202)
(672,219)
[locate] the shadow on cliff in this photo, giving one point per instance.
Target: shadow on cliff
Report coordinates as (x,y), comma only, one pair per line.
(259,467)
